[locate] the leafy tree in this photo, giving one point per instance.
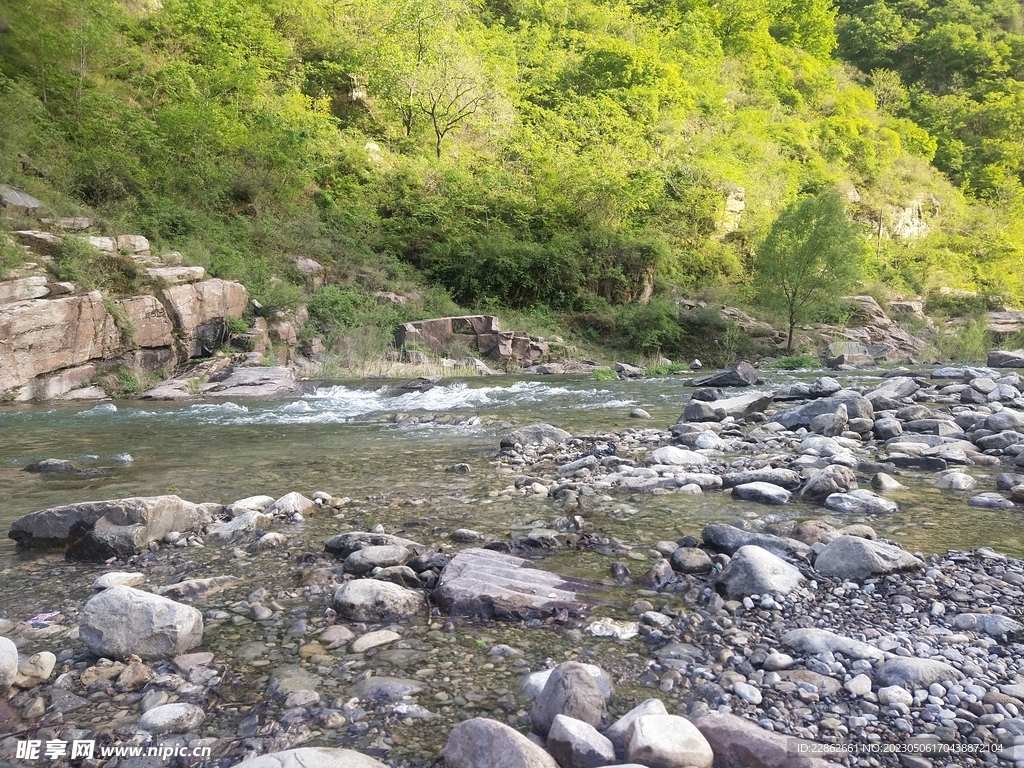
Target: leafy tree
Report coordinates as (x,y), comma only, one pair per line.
(812,255)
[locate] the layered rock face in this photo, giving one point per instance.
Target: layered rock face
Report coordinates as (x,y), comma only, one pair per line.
(480,332)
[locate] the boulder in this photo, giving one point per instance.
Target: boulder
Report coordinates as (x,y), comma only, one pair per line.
(344,544)
(851,557)
(148,320)
(1001,358)
(18,203)
(308,757)
(39,337)
(895,388)
(784,478)
(575,744)
(263,382)
(667,741)
(485,743)
(290,504)
(816,641)
(487,584)
(857,407)
(8,663)
(99,530)
(172,718)
(544,435)
(739,743)
(23,289)
(617,731)
(690,560)
(122,621)
(570,691)
(533,683)
(860,502)
(914,673)
(34,670)
(756,571)
(742,374)
(237,527)
(175,275)
(1005,420)
(677,457)
(698,411)
(373,601)
(835,478)
(728,539)
(200,312)
(763,493)
(738,407)
(994,624)
(364,560)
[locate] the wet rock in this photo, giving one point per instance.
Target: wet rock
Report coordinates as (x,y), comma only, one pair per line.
(834,478)
(812,531)
(993,624)
(1005,419)
(690,560)
(47,466)
(660,575)
(784,478)
(620,630)
(172,718)
(313,757)
(914,673)
(196,587)
(851,557)
(374,640)
(990,500)
(235,529)
(885,483)
(763,493)
(739,743)
(575,744)
(532,684)
(860,502)
(742,374)
(291,504)
(482,583)
(728,539)
(345,544)
(616,733)
(8,663)
(543,435)
(366,559)
(122,621)
(955,480)
(697,411)
(569,691)
(370,600)
(753,570)
(484,743)
(667,741)
(99,530)
(382,688)
(816,641)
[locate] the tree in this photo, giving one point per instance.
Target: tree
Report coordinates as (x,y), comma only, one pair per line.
(812,255)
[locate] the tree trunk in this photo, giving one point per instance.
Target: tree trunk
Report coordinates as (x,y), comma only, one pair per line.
(789,340)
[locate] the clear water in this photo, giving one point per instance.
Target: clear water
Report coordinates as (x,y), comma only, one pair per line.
(341,438)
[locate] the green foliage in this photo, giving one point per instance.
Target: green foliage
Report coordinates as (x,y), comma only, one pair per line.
(604,374)
(795,363)
(237,325)
(967,342)
(80,262)
(811,257)
(664,370)
(11,256)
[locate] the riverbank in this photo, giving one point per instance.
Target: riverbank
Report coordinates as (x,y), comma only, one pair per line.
(700,644)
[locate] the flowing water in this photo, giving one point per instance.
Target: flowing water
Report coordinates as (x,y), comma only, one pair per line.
(349,439)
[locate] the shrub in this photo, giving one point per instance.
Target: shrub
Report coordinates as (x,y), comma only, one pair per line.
(795,363)
(604,374)
(87,266)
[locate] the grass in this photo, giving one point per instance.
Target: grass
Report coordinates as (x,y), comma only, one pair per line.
(967,342)
(665,370)
(12,255)
(795,362)
(604,374)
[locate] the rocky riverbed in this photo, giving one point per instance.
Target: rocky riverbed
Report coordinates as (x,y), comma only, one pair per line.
(789,640)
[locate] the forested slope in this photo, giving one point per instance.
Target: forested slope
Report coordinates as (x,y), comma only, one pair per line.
(570,156)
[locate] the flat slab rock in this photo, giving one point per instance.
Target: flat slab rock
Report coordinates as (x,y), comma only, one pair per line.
(482,583)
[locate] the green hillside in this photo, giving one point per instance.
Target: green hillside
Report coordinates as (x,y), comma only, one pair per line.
(533,155)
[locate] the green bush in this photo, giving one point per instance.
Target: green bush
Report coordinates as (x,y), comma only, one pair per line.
(85,265)
(795,362)
(604,374)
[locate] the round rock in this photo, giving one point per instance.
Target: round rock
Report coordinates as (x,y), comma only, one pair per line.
(667,741)
(121,621)
(370,600)
(172,718)
(305,757)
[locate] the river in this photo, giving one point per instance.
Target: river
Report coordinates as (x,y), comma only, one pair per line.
(343,438)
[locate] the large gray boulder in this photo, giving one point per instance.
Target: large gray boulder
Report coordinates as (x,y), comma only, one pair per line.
(544,435)
(1004,358)
(372,600)
(667,741)
(121,621)
(484,743)
(1004,420)
(571,691)
(728,539)
(860,502)
(895,388)
(851,557)
(742,374)
(312,757)
(344,544)
(486,584)
(756,571)
(739,743)
(835,478)
(575,744)
(857,407)
(8,663)
(914,673)
(366,559)
(99,530)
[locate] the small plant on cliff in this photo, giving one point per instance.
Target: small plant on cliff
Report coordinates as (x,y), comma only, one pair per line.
(11,255)
(81,263)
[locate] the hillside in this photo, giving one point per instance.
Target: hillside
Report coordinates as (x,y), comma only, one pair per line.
(576,166)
